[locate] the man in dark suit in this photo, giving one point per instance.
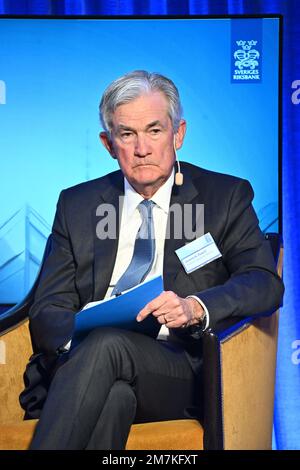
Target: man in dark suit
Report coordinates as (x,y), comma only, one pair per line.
(114,377)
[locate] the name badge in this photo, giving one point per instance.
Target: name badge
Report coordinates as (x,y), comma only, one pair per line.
(198,253)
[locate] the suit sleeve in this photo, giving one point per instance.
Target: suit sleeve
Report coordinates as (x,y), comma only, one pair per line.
(56,300)
(253,286)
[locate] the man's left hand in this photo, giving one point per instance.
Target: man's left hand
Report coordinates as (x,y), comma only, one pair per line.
(173,311)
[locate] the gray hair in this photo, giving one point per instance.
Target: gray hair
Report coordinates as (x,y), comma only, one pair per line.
(133,85)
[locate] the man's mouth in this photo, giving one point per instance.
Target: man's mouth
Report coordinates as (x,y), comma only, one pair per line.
(144,164)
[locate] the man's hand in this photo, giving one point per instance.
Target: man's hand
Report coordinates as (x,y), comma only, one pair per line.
(173,311)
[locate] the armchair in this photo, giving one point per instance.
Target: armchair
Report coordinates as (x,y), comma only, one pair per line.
(239,376)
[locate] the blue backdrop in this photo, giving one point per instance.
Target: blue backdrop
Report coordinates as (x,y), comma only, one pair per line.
(52,72)
(287,406)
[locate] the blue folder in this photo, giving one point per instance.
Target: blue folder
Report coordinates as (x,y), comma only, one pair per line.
(121,311)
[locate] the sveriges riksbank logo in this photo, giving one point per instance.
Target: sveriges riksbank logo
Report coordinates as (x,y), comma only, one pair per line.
(246,61)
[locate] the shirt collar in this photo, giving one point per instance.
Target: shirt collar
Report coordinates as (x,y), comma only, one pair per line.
(161,197)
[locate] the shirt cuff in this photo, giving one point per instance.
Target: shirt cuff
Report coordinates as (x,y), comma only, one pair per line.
(206,314)
(65,348)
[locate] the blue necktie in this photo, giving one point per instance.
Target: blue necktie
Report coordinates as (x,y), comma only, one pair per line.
(144,251)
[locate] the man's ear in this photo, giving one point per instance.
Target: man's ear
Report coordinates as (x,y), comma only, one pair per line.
(104,137)
(179,136)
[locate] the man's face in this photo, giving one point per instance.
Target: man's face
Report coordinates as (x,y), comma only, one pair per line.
(142,140)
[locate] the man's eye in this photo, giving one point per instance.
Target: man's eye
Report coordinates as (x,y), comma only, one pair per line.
(126,135)
(155,131)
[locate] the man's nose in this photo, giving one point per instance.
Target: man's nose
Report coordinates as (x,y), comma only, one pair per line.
(142,147)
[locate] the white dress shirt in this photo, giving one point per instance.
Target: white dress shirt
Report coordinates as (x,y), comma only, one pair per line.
(131,221)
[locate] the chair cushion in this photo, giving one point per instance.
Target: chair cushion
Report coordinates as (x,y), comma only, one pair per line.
(17,436)
(183,434)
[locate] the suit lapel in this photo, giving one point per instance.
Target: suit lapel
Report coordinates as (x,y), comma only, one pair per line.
(105,249)
(173,271)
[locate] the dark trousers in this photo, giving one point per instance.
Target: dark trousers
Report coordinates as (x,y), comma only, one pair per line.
(112,379)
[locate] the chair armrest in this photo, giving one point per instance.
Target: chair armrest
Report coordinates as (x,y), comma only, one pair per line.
(213,422)
(238,355)
(15,315)
(19,312)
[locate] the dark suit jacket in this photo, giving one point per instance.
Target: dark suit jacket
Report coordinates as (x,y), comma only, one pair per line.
(78,270)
